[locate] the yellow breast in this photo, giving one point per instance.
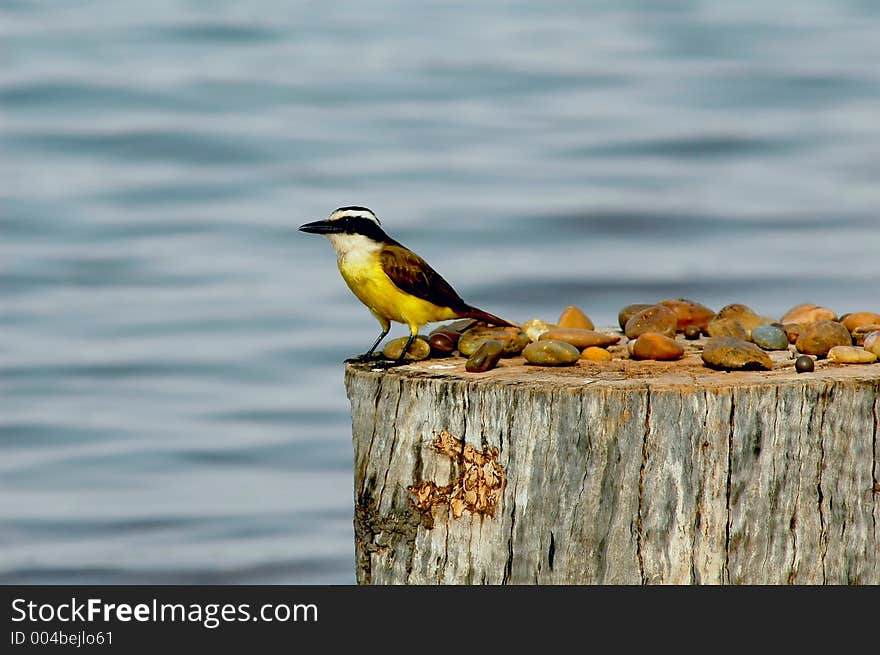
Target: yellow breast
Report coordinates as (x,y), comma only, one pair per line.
(369,282)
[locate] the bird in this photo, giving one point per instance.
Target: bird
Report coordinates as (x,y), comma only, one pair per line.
(390,279)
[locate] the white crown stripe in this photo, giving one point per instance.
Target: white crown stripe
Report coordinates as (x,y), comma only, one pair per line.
(354,213)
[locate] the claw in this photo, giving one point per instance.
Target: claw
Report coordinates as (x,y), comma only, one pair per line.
(388,363)
(366,357)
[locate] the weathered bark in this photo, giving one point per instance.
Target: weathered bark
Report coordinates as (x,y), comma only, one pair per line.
(622,476)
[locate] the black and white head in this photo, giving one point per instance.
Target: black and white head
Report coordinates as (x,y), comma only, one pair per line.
(350,229)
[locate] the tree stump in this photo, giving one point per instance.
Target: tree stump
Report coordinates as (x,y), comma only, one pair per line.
(623,472)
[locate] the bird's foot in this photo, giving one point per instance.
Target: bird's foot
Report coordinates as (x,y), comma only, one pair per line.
(388,363)
(366,357)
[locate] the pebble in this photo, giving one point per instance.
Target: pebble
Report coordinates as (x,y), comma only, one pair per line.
(688,312)
(692,332)
(808,313)
(651,345)
(729,353)
(804,364)
(792,331)
(859,319)
(851,355)
(743,315)
(863,331)
(512,339)
(872,342)
(770,337)
(596,354)
(726,327)
(535,327)
(580,338)
(818,338)
(573,317)
(655,318)
(443,341)
(462,325)
(485,358)
(629,311)
(418,351)
(551,353)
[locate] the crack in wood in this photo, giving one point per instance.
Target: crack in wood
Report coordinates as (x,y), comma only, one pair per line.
(508,564)
(875,485)
(823,530)
(393,437)
(639,535)
(793,522)
(730,436)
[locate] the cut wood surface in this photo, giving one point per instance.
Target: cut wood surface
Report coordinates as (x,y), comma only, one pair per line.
(619,472)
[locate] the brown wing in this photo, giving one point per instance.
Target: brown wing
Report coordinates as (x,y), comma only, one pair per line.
(411,273)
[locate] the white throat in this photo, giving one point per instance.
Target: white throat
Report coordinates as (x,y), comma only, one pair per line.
(352,248)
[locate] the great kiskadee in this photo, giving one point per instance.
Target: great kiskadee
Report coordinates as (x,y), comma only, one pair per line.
(392,281)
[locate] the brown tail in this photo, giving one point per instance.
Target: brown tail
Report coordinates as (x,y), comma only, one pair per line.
(480,315)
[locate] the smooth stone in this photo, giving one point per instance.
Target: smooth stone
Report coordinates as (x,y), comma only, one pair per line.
(792,331)
(744,315)
(729,353)
(655,318)
(859,319)
(769,337)
(573,317)
(629,311)
(692,332)
(808,313)
(726,327)
(596,354)
(851,355)
(818,338)
(862,331)
(446,330)
(551,353)
(535,327)
(441,346)
(461,326)
(443,341)
(735,309)
(580,338)
(419,350)
(656,346)
(485,358)
(804,364)
(688,312)
(512,338)
(866,329)
(872,342)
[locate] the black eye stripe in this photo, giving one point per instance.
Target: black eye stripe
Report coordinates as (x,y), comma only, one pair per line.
(362,225)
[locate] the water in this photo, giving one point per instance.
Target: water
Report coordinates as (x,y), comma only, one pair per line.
(170,346)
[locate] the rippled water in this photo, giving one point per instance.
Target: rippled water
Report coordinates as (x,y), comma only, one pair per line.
(170,346)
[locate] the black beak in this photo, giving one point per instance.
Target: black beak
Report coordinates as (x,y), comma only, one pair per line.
(320,227)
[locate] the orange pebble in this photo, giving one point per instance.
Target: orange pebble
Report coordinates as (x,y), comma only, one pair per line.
(596,354)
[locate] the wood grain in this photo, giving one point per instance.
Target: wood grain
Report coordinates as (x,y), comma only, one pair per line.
(622,473)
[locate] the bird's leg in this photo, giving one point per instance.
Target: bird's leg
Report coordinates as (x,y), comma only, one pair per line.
(400,361)
(412,337)
(369,356)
